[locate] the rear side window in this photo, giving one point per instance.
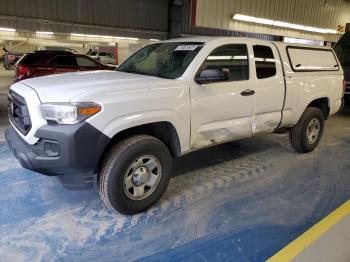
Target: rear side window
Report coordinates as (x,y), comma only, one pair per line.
(32,59)
(105,54)
(232,59)
(85,62)
(264,62)
(63,61)
(304,59)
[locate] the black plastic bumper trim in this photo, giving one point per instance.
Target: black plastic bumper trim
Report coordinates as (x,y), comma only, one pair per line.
(74,154)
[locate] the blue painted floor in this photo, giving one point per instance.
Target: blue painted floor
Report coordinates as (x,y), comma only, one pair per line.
(241,201)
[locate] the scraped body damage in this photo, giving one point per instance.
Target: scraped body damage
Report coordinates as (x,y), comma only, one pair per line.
(223,131)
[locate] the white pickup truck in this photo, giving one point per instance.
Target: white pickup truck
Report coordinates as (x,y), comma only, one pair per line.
(167,100)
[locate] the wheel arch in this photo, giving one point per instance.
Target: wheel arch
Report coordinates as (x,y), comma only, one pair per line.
(322,103)
(164,131)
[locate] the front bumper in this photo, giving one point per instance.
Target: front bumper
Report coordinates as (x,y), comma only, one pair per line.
(70,151)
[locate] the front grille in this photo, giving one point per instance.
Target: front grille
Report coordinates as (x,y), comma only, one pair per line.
(18,113)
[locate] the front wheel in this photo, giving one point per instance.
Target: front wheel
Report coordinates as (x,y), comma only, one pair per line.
(135,174)
(306,135)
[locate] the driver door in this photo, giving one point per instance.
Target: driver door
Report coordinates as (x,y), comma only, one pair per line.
(222,110)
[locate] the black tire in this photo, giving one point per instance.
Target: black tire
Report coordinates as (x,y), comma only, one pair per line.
(347,100)
(298,134)
(116,164)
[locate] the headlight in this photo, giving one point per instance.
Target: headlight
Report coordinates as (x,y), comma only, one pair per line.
(68,113)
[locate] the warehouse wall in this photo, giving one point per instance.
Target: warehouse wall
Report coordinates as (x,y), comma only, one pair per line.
(187,28)
(316,13)
(105,16)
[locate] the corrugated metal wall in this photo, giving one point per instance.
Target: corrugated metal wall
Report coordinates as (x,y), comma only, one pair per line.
(316,13)
(188,30)
(65,15)
(149,18)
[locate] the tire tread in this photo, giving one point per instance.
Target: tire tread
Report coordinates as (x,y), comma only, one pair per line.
(113,154)
(296,134)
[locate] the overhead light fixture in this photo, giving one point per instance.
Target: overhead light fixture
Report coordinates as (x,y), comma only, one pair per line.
(105,36)
(257,20)
(85,35)
(246,18)
(74,34)
(295,26)
(126,38)
(282,24)
(5,29)
(228,57)
(43,33)
(132,38)
(264,21)
(303,41)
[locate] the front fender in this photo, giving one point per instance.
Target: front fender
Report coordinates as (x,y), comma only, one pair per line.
(145,103)
(117,124)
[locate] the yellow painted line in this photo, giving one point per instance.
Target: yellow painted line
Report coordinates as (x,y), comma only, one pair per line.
(301,243)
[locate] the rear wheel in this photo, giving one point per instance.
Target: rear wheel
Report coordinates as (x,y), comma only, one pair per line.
(306,135)
(135,174)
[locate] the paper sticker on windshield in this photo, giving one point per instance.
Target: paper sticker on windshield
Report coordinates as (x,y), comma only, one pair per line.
(186,47)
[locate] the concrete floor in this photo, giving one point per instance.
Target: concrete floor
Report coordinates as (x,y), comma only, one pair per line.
(332,246)
(241,201)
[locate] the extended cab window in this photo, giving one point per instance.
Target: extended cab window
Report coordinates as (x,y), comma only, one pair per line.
(231,59)
(63,61)
(264,62)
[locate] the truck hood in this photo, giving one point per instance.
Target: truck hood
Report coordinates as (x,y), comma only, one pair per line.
(64,87)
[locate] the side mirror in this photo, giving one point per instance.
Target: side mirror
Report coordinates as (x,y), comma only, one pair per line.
(211,75)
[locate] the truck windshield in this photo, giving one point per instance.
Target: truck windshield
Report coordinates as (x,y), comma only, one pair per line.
(167,60)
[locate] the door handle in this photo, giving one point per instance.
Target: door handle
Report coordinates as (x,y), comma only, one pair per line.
(248,92)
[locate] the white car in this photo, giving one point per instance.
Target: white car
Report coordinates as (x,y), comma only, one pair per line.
(104,57)
(169,99)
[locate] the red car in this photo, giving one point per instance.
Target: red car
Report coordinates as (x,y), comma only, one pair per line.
(41,63)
